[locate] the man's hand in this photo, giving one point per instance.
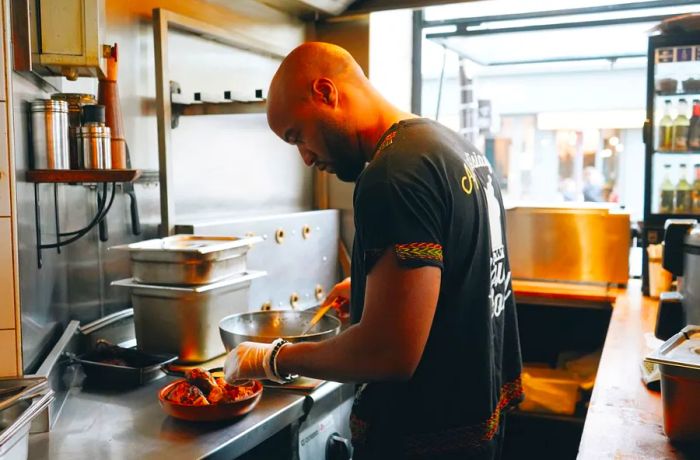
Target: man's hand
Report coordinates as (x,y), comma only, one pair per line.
(249,360)
(342,291)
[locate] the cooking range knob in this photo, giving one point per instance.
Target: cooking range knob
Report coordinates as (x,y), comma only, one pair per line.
(294,300)
(338,448)
(318,292)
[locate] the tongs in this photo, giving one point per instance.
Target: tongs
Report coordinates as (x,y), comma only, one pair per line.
(335,303)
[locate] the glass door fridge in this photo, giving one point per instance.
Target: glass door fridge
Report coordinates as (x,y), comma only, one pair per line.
(671,135)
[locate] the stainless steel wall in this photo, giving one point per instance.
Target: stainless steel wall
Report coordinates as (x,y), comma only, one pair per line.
(224,165)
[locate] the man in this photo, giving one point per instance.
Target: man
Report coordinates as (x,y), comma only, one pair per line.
(434,343)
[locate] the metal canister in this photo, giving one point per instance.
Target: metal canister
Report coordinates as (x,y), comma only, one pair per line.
(75,101)
(94,146)
(50,134)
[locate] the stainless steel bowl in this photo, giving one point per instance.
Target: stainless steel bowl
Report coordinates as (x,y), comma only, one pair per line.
(266,326)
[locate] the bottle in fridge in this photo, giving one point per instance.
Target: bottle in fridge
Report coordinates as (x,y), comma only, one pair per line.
(681,125)
(684,197)
(696,190)
(694,129)
(666,128)
(667,192)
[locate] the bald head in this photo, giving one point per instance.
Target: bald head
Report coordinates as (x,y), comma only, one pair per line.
(292,84)
(321,101)
(311,61)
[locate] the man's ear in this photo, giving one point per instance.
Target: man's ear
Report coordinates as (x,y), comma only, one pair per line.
(325,91)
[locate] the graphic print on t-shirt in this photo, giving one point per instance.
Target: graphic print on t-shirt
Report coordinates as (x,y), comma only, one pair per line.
(500,280)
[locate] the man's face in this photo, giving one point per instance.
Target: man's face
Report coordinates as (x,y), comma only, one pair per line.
(323,141)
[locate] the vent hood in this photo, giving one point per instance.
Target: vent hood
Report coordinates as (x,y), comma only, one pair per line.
(308,7)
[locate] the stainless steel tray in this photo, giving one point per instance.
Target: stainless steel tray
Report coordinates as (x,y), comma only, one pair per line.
(15,389)
(185,320)
(188,259)
(681,352)
(15,421)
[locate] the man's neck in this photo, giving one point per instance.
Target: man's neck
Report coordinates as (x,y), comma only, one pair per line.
(386,117)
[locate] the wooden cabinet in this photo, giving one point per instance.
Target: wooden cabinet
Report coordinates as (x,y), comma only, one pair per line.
(7,276)
(5,207)
(8,356)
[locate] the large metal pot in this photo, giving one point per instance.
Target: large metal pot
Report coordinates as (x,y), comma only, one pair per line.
(691,276)
(266,326)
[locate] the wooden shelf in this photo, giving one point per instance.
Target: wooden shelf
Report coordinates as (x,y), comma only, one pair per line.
(219,108)
(677,152)
(54,176)
(685,93)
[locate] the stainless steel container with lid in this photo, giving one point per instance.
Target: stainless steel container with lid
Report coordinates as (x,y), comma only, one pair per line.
(15,422)
(76,102)
(185,320)
(188,259)
(50,148)
(679,362)
(691,276)
(94,146)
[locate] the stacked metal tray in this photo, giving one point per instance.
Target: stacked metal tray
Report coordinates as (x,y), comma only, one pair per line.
(188,260)
(21,401)
(182,286)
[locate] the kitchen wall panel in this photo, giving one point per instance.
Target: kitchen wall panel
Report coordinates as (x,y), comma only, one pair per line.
(5,196)
(8,357)
(7,276)
(224,165)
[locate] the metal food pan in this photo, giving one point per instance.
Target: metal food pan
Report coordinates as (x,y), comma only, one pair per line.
(110,366)
(15,421)
(679,363)
(185,320)
(189,259)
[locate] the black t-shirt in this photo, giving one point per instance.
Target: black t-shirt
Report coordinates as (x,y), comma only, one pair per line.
(432,199)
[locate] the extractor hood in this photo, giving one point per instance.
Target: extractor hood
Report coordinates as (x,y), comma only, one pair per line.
(306,8)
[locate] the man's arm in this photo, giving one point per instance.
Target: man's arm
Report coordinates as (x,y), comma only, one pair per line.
(388,342)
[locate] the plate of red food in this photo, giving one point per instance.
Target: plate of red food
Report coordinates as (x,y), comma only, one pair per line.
(204,397)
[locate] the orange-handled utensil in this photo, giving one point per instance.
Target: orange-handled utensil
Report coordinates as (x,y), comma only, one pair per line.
(335,303)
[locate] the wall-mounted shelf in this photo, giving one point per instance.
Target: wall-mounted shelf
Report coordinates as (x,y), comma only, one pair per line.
(220,108)
(215,108)
(73,176)
(168,110)
(89,176)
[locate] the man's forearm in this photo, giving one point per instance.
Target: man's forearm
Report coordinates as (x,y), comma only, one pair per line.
(353,356)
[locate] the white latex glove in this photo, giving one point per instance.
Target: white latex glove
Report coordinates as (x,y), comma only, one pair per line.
(249,360)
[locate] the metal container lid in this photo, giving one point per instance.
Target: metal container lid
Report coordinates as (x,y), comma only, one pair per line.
(192,244)
(205,288)
(49,105)
(682,350)
(94,130)
(693,238)
(75,100)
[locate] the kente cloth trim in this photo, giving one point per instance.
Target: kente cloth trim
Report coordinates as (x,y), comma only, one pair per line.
(419,251)
(388,140)
(470,438)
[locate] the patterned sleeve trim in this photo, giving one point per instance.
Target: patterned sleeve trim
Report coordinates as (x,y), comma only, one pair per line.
(419,251)
(467,438)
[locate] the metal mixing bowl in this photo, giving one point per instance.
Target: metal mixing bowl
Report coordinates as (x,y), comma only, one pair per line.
(266,326)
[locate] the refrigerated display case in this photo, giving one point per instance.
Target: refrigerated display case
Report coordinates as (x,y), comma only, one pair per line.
(671,135)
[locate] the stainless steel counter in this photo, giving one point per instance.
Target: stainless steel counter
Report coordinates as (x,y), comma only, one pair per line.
(124,425)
